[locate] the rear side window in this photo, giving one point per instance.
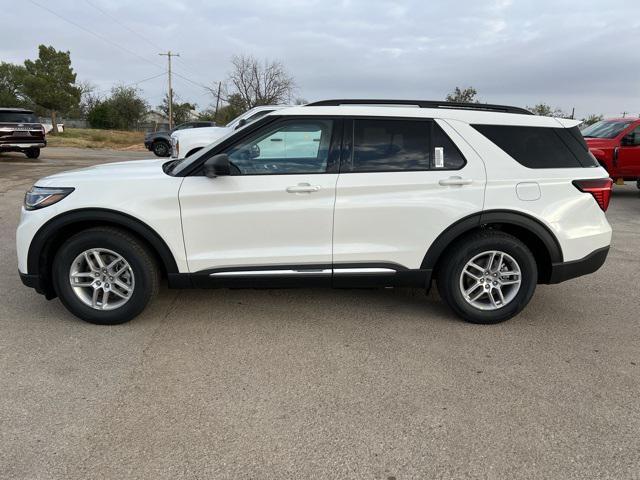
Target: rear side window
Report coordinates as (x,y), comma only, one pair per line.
(390,145)
(382,145)
(540,147)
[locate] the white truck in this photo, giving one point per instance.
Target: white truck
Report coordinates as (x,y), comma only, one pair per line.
(187,142)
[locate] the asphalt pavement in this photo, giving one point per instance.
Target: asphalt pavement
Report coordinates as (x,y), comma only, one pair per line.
(305,384)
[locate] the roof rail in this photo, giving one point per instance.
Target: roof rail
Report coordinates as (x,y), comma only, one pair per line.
(487,107)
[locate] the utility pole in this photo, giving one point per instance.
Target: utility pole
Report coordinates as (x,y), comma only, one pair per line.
(169,55)
(218,99)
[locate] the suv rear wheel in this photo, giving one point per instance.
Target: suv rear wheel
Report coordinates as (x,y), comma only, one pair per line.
(32,152)
(489,277)
(105,275)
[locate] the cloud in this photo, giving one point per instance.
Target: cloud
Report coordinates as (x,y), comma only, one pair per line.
(584,55)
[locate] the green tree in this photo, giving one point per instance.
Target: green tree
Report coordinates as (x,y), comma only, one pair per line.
(51,83)
(11,85)
(235,106)
(466,95)
(122,110)
(591,119)
(545,110)
(181,112)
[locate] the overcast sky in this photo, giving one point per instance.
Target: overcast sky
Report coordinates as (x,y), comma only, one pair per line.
(581,53)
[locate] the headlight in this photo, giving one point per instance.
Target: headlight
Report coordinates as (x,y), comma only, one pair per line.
(40,197)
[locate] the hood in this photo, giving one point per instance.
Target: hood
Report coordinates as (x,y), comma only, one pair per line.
(134,169)
(600,142)
(201,133)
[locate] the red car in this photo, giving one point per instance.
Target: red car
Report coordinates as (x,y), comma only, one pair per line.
(616,145)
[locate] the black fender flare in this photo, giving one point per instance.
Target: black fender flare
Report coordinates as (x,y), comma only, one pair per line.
(488,217)
(48,231)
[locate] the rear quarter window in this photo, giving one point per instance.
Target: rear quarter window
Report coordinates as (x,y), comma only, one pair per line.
(541,147)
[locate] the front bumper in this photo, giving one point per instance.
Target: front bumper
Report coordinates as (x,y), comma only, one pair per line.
(567,270)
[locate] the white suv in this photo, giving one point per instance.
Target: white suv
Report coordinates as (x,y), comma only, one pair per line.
(488,200)
(185,143)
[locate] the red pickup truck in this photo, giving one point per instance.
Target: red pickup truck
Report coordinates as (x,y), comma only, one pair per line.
(616,145)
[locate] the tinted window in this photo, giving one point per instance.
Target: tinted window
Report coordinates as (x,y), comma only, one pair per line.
(390,145)
(294,146)
(538,147)
(446,155)
(18,117)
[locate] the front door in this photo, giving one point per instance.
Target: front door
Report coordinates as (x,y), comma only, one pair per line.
(629,154)
(273,215)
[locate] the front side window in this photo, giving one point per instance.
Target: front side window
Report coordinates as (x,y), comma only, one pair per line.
(292,146)
(390,145)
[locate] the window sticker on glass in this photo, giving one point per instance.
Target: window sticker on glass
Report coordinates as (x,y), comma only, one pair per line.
(439,157)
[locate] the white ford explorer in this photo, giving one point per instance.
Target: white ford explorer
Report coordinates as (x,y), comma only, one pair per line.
(185,143)
(488,200)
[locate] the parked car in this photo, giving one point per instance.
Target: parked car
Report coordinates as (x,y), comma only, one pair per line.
(160,142)
(616,145)
(187,142)
(20,131)
(488,200)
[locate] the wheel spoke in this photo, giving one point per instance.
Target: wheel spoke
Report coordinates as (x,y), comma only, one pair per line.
(473,288)
(123,286)
(475,277)
(105,298)
(500,262)
(90,261)
(476,266)
(510,282)
(478,295)
(113,264)
(98,257)
(491,297)
(94,298)
(490,264)
(501,296)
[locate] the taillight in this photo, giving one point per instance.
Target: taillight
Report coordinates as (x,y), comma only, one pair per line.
(600,188)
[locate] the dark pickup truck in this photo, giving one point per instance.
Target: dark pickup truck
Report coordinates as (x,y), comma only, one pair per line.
(160,142)
(20,131)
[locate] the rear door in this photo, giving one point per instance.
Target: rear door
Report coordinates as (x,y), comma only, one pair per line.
(401,184)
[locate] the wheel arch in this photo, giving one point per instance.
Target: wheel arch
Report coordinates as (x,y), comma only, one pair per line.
(537,236)
(51,235)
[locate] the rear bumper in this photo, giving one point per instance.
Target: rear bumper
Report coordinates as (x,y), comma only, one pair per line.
(576,268)
(22,146)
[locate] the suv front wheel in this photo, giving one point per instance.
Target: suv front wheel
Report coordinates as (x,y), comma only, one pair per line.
(105,275)
(488,277)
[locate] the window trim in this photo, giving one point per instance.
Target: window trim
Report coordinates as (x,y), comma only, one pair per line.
(348,149)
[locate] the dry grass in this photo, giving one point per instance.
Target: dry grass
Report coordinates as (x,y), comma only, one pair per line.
(93,138)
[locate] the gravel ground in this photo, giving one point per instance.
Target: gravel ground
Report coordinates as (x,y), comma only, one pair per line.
(305,384)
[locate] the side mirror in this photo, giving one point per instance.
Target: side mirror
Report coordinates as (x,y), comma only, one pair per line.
(217,166)
(241,123)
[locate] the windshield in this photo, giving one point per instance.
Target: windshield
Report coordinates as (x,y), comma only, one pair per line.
(184,163)
(605,129)
(18,117)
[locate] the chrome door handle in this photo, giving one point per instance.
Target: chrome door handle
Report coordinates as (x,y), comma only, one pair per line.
(303,188)
(453,181)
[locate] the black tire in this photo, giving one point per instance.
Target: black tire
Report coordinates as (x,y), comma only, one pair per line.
(32,152)
(161,148)
(464,250)
(142,264)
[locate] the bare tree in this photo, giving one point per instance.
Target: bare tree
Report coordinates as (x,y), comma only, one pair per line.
(260,83)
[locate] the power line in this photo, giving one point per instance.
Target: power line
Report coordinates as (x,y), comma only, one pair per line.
(169,55)
(104,39)
(116,20)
